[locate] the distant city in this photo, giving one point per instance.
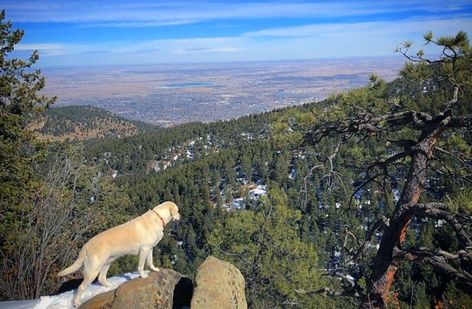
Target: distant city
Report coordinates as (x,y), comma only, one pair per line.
(168,95)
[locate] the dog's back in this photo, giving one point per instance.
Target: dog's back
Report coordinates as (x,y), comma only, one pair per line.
(138,235)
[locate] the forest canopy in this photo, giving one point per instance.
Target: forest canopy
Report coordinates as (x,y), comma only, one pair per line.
(362,199)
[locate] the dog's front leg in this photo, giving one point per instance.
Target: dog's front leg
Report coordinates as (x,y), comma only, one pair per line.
(150,262)
(142,258)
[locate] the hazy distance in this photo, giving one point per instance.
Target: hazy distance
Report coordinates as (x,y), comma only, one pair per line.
(169,94)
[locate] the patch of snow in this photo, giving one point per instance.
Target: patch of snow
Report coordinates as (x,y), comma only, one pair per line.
(189,154)
(237,203)
(292,174)
(439,223)
(242,180)
(337,205)
(259,191)
(174,259)
(19,304)
(114,174)
(396,194)
(64,300)
(248,136)
(166,165)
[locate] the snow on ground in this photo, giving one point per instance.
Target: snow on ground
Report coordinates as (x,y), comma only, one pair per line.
(259,191)
(238,203)
(396,194)
(64,300)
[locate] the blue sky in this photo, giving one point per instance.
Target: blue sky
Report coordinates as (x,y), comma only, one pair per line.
(113,32)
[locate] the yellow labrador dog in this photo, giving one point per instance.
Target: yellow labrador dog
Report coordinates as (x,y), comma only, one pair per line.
(138,235)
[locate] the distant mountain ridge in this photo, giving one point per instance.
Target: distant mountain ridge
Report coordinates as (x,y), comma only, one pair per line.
(83,123)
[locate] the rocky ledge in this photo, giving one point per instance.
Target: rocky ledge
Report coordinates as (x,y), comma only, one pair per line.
(218,284)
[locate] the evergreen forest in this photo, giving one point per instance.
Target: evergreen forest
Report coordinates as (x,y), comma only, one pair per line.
(363,199)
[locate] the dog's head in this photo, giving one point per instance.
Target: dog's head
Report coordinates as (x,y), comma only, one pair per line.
(172,208)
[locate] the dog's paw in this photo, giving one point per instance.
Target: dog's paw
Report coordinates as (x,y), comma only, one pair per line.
(144,275)
(155,269)
(107,284)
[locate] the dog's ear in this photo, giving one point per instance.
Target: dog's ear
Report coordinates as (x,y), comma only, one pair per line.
(174,211)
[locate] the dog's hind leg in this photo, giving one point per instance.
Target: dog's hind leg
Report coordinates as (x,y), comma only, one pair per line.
(102,277)
(150,262)
(142,258)
(89,276)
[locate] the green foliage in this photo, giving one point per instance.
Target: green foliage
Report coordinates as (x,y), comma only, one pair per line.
(84,122)
(426,86)
(457,298)
(19,150)
(265,245)
(282,243)
(49,203)
(462,202)
(72,203)
(307,215)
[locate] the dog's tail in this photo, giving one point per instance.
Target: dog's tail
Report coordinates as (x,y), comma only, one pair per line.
(74,267)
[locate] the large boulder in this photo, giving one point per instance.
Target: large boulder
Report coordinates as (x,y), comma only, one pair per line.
(156,291)
(219,285)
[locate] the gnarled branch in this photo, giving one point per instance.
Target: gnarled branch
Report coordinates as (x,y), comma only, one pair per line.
(440,211)
(440,260)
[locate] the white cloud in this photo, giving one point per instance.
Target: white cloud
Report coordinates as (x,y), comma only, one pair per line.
(154,13)
(208,50)
(438,26)
(308,41)
(300,42)
(47,49)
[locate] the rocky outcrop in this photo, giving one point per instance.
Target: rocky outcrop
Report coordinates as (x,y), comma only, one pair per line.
(156,291)
(218,285)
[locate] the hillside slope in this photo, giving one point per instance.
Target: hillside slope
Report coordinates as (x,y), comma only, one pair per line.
(84,122)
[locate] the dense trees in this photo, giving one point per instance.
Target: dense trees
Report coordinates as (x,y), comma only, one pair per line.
(83,122)
(50,203)
(19,150)
(344,208)
(72,203)
(413,127)
(359,186)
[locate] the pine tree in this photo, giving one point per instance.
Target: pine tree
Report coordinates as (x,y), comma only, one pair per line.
(19,149)
(265,245)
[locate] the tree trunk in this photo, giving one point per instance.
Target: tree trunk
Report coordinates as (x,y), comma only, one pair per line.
(385,265)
